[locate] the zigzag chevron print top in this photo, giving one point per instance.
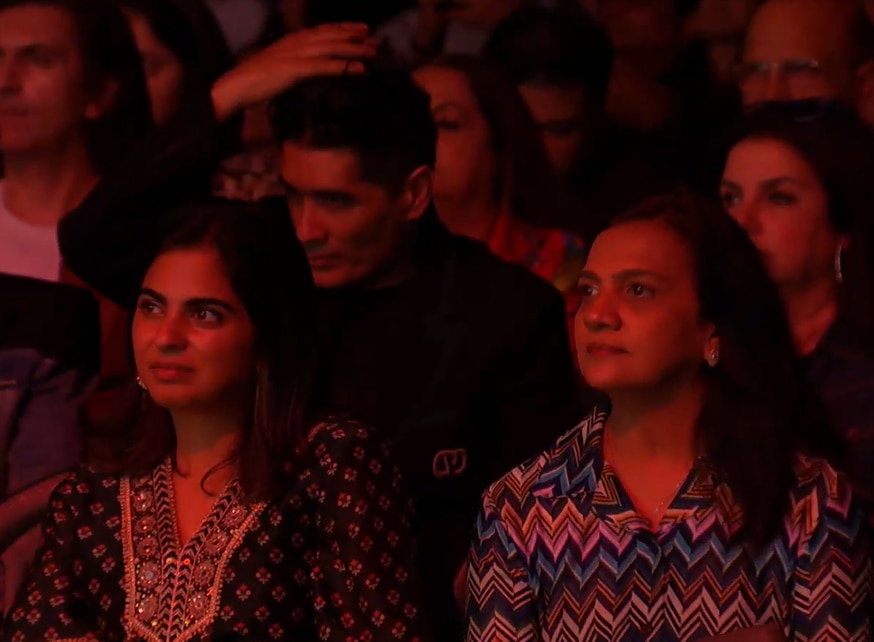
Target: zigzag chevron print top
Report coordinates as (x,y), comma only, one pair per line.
(560,555)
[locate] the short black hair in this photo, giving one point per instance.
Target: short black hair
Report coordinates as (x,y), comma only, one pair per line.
(557,47)
(382,115)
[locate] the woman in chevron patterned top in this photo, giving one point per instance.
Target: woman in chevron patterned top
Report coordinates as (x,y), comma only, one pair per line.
(701,505)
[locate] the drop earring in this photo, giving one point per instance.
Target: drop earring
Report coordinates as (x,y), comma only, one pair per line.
(141,384)
(839,275)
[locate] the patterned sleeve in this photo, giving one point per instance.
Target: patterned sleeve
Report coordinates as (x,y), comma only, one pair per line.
(832,578)
(52,605)
(363,578)
(500,602)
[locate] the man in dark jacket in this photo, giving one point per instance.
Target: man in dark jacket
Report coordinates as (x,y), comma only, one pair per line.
(463,360)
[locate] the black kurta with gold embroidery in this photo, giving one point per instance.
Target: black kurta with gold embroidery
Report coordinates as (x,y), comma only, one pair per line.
(329,561)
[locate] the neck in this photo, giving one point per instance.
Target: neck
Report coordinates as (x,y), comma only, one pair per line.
(41,188)
(204,439)
(658,424)
(811,311)
(473,217)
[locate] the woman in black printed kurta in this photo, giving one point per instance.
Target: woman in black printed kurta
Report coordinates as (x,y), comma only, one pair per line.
(300,529)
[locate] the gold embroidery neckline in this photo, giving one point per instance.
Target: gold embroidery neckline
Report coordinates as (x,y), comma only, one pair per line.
(173,591)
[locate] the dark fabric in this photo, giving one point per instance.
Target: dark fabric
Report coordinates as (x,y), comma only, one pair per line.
(467,364)
(843,373)
(329,561)
(35,311)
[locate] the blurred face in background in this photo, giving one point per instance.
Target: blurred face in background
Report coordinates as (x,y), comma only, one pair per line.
(164,72)
(466,166)
(44,97)
(561,115)
(797,49)
(774,194)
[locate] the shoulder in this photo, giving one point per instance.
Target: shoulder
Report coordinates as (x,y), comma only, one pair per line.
(498,281)
(85,481)
(822,494)
(566,467)
(340,442)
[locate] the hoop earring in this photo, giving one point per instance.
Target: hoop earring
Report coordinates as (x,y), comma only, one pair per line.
(839,275)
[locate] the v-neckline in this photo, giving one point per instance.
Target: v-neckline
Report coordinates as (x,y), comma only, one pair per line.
(173,589)
(229,495)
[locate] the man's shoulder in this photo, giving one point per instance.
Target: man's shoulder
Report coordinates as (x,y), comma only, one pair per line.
(498,280)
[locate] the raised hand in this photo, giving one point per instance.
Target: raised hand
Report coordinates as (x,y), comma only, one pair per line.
(328,49)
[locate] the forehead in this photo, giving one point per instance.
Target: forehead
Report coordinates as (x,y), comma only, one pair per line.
(30,25)
(446,86)
(553,102)
(305,167)
(763,158)
(189,273)
(649,246)
(796,29)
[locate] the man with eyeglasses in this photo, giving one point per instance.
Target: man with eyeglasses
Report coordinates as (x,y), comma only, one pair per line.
(798,49)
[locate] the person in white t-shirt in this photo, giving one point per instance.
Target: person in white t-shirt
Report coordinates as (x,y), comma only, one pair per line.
(72,99)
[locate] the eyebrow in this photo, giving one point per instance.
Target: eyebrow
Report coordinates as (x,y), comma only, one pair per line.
(196,302)
(768,182)
(624,275)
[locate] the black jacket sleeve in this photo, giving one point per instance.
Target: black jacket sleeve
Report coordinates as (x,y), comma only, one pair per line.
(538,395)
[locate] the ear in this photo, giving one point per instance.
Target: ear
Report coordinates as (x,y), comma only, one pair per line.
(711,346)
(864,83)
(416,193)
(103,101)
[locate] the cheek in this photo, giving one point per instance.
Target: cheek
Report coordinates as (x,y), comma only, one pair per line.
(224,358)
(365,236)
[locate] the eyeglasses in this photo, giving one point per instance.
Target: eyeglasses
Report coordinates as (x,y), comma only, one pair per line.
(804,111)
(746,72)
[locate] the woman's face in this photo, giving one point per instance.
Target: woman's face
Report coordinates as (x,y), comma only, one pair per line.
(164,72)
(465,164)
(193,340)
(778,199)
(639,325)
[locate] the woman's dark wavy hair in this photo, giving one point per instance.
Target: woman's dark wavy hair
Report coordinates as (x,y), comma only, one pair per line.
(535,190)
(839,148)
(109,54)
(759,408)
(189,29)
(269,272)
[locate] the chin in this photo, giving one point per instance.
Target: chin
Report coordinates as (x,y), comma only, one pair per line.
(333,279)
(173,398)
(604,378)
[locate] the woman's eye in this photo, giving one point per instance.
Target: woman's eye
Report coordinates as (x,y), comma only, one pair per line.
(639,290)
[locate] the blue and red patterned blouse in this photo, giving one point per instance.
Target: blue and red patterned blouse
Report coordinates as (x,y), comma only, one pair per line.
(331,560)
(560,554)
